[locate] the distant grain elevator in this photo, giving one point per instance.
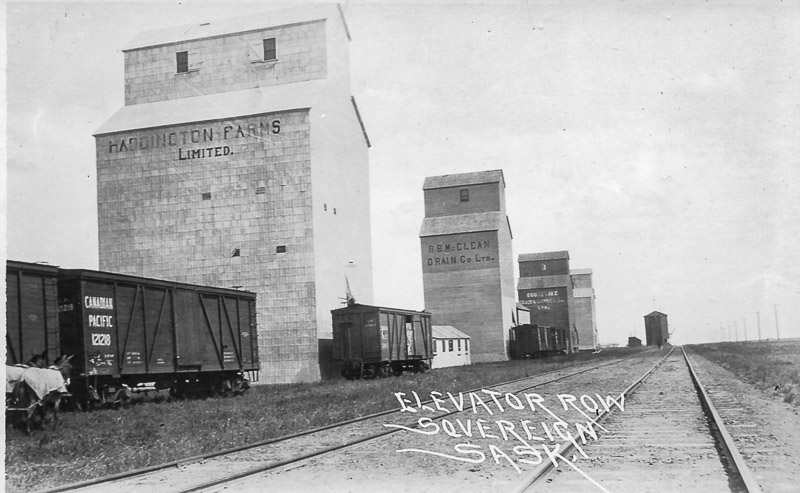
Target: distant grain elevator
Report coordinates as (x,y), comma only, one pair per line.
(467,264)
(656,329)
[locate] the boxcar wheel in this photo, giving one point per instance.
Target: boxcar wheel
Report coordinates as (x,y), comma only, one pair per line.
(385,371)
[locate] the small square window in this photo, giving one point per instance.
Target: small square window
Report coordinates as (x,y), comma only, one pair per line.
(270,49)
(206,195)
(261,190)
(182,59)
(281,249)
(236,252)
(464,194)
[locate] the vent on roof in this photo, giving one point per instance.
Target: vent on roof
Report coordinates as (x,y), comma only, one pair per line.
(261,190)
(206,195)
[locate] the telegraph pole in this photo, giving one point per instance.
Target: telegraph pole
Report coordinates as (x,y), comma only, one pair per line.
(758,320)
(736,330)
(777,329)
(744,324)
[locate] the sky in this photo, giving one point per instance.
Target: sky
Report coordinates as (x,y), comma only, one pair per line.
(658,142)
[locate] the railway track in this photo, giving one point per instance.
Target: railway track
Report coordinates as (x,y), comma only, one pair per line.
(661,437)
(209,470)
(410,461)
(669,438)
(764,432)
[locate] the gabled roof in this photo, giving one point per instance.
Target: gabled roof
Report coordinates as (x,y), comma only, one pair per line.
(218,106)
(578,272)
(656,314)
(236,25)
(463,223)
(464,179)
(529,257)
(447,332)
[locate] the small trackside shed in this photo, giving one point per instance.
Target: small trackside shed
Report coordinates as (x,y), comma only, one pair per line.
(31,313)
(450,347)
(374,341)
(634,342)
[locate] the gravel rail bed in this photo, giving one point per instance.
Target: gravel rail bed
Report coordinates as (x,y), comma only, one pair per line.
(189,474)
(411,461)
(662,442)
(765,429)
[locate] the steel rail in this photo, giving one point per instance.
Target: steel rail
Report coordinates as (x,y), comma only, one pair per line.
(565,447)
(735,459)
(336,448)
(197,458)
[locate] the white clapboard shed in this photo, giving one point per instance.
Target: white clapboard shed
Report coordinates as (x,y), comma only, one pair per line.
(451,347)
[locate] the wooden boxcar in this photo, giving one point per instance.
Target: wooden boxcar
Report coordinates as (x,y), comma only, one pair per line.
(373,341)
(31,313)
(133,331)
(535,341)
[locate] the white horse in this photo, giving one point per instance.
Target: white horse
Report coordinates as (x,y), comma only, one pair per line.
(30,390)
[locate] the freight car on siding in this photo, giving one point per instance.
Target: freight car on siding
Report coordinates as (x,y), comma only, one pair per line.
(536,341)
(132,331)
(373,341)
(31,313)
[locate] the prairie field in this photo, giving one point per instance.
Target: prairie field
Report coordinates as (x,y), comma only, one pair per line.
(773,366)
(155,428)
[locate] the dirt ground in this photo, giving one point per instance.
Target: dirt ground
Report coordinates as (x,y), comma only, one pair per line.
(767,432)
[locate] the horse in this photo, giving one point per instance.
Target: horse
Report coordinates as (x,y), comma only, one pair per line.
(34,390)
(38,360)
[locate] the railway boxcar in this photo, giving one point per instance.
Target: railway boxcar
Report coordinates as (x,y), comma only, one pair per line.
(375,341)
(535,341)
(132,331)
(31,313)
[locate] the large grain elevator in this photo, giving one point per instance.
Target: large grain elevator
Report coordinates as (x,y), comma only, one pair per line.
(240,160)
(545,286)
(467,264)
(583,309)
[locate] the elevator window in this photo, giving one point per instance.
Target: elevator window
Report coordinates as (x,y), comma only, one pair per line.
(270,49)
(182,59)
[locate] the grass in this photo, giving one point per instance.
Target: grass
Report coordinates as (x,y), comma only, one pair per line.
(155,429)
(772,366)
